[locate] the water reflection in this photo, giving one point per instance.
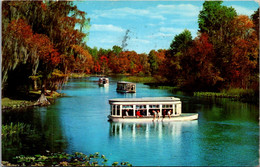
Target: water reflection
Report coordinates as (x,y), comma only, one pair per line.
(104,89)
(45,133)
(151,130)
(127,95)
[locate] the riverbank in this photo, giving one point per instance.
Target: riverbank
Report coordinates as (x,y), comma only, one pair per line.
(243,95)
(12,103)
(8,103)
(147,79)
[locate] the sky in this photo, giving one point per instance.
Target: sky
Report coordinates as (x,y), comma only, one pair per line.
(147,24)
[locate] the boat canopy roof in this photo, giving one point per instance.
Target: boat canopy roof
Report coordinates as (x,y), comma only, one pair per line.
(145,99)
(124,82)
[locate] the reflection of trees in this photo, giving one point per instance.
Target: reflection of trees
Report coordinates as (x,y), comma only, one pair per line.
(226,109)
(45,133)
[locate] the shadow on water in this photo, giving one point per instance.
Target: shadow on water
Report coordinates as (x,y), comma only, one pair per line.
(45,133)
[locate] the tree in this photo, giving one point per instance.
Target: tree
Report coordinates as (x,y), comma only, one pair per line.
(199,71)
(181,42)
(44,45)
(244,59)
(117,49)
(103,64)
(255,18)
(214,20)
(153,61)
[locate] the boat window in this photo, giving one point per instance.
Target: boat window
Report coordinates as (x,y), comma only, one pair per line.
(140,106)
(127,106)
(167,106)
(130,112)
(113,110)
(118,110)
(154,106)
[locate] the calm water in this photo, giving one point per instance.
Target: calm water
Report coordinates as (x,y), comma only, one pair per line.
(226,133)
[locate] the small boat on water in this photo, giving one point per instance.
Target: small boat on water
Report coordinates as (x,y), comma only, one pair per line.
(148,109)
(126,87)
(103,81)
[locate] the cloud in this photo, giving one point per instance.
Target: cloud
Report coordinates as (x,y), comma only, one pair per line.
(120,13)
(242,10)
(155,12)
(182,9)
(165,32)
(106,27)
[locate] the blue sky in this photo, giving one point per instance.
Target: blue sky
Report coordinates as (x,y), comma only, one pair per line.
(152,24)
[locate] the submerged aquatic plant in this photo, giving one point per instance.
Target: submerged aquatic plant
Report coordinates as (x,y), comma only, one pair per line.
(15,129)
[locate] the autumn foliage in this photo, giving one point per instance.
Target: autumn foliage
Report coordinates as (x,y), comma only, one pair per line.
(45,44)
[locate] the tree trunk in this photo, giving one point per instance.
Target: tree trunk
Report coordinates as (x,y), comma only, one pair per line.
(35,85)
(42,101)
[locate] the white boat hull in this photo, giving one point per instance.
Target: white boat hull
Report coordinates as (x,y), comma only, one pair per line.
(182,117)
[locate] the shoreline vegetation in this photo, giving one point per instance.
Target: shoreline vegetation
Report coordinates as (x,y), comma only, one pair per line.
(10,103)
(243,95)
(63,159)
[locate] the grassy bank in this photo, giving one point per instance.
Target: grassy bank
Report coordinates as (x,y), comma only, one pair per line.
(52,95)
(245,95)
(170,88)
(138,79)
(10,103)
(78,75)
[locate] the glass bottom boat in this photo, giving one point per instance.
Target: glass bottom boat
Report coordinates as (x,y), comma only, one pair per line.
(103,81)
(148,109)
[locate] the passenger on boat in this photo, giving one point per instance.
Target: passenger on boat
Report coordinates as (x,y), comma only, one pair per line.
(154,114)
(142,112)
(158,113)
(164,113)
(125,113)
(169,113)
(138,114)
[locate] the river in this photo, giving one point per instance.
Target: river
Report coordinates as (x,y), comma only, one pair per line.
(226,133)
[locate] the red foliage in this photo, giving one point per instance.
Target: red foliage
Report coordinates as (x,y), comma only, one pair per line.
(38,44)
(44,6)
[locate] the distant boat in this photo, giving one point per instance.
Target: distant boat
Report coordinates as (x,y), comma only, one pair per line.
(103,81)
(126,87)
(166,109)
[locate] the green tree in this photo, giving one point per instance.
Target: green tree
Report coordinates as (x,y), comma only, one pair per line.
(214,19)
(153,61)
(181,42)
(117,49)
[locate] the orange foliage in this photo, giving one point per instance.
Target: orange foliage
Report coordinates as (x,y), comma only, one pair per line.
(39,44)
(84,61)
